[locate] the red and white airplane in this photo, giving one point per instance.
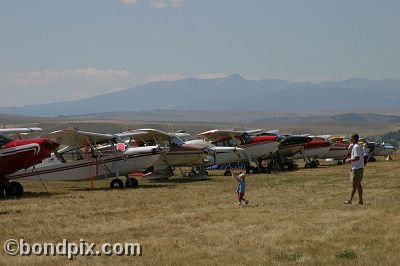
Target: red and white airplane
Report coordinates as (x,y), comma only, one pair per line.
(174,153)
(289,146)
(339,148)
(89,155)
(255,147)
(20,154)
(315,149)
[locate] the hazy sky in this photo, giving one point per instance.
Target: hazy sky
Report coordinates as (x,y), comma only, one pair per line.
(62,50)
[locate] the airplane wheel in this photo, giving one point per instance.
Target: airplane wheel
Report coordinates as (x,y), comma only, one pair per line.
(268,170)
(227,173)
(116,183)
(263,169)
(131,182)
(317,161)
(14,189)
(339,163)
(371,159)
(290,166)
(192,173)
(204,172)
(313,164)
(307,165)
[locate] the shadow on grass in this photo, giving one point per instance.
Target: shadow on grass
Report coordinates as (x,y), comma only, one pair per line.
(178,181)
(32,195)
(289,256)
(144,186)
(346,254)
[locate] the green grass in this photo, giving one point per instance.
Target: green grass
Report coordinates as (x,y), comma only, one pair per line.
(293,218)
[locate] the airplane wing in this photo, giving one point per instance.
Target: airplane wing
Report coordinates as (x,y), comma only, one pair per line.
(76,138)
(217,134)
(21,130)
(146,135)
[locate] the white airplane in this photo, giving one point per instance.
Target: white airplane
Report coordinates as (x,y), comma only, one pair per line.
(377,149)
(216,155)
(174,153)
(315,149)
(89,155)
(338,150)
(255,147)
(289,146)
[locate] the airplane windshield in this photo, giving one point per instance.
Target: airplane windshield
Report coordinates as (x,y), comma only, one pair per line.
(247,137)
(4,139)
(176,141)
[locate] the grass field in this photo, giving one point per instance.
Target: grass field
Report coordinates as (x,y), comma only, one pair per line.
(293,218)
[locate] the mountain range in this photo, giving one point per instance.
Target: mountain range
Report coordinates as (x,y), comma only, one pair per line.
(232,93)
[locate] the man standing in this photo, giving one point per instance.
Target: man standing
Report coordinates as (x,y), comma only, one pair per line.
(357,169)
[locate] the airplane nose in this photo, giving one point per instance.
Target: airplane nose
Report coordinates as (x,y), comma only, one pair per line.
(193,147)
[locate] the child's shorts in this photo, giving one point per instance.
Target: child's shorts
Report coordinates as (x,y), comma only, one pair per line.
(240,195)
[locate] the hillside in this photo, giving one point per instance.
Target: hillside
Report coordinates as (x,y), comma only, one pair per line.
(232,93)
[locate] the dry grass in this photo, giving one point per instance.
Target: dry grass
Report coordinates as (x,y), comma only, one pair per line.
(293,218)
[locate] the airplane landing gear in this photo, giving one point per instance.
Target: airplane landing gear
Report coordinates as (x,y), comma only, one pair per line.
(252,170)
(227,173)
(287,166)
(131,182)
(312,164)
(116,183)
(14,189)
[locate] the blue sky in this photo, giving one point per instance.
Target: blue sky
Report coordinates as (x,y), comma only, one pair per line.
(64,50)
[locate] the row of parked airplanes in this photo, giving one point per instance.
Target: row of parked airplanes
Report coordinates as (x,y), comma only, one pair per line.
(71,154)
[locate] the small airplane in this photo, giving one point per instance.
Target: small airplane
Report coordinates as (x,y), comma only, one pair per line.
(256,147)
(20,154)
(377,149)
(315,149)
(339,148)
(174,153)
(89,155)
(216,155)
(289,146)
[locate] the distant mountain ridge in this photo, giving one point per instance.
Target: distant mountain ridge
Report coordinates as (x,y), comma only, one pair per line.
(231,93)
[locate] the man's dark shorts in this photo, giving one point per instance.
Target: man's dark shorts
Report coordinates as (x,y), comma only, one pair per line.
(356,175)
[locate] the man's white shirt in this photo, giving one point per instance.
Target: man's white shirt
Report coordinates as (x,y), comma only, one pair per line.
(357,151)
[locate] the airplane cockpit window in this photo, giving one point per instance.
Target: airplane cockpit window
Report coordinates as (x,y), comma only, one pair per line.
(230,143)
(4,139)
(175,141)
(246,137)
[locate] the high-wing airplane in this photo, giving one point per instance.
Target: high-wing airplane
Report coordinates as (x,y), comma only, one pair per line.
(289,146)
(88,155)
(20,154)
(315,149)
(217,155)
(255,147)
(377,149)
(339,148)
(174,152)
